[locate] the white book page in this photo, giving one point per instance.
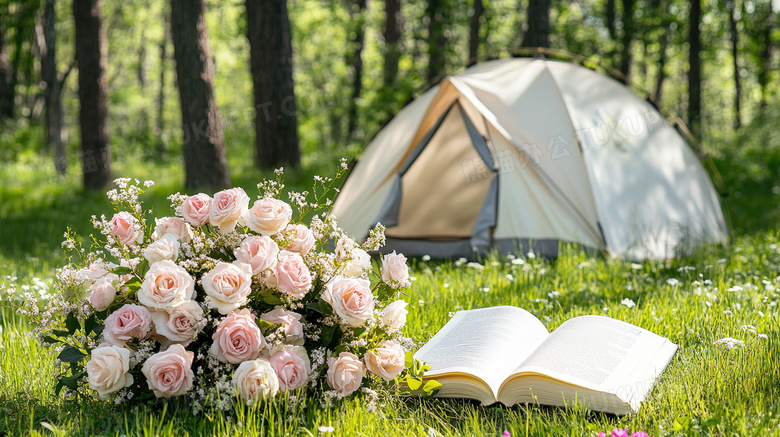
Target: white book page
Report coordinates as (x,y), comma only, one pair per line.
(596,352)
(487,343)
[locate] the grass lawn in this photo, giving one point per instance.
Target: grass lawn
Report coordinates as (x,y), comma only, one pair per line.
(706,390)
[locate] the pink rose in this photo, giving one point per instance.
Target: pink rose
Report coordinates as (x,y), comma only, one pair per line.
(345,373)
(640,434)
(394,316)
(386,360)
(351,299)
(259,252)
(182,325)
(269,216)
(292,367)
(237,338)
(169,373)
(172,225)
(103,292)
(227,208)
(95,271)
(108,370)
(619,432)
(290,322)
(304,239)
(255,380)
(126,228)
(395,272)
(128,322)
(166,286)
(196,209)
(292,275)
(228,286)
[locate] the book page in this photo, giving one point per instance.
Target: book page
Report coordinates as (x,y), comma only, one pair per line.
(487,343)
(597,352)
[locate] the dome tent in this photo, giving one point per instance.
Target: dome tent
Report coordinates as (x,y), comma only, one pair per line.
(520,154)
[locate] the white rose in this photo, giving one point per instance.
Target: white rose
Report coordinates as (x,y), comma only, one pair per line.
(255,380)
(172,225)
(394,316)
(228,286)
(351,299)
(182,325)
(395,272)
(103,292)
(108,370)
(354,259)
(166,286)
(259,252)
(291,323)
(304,239)
(386,360)
(94,272)
(166,248)
(345,373)
(227,208)
(269,216)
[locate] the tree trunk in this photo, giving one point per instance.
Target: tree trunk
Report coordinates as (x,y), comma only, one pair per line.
(694,72)
(270,44)
(357,9)
(436,39)
(766,54)
(392,34)
(474,39)
(732,7)
(53,129)
(627,38)
(91,52)
(6,73)
(538,32)
(663,41)
(160,120)
(205,164)
(609,16)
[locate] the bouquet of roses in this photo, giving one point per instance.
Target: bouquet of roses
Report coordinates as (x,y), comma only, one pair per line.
(227,299)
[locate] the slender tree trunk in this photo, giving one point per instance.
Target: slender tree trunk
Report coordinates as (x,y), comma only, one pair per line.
(436,39)
(694,72)
(91,52)
(392,34)
(661,74)
(766,54)
(160,119)
(627,39)
(732,7)
(538,32)
(6,73)
(474,39)
(270,44)
(609,16)
(204,144)
(53,129)
(357,9)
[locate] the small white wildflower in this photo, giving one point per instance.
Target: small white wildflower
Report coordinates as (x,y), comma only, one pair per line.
(762,336)
(672,281)
(729,343)
(628,302)
(518,261)
(477,266)
(636,266)
(426,258)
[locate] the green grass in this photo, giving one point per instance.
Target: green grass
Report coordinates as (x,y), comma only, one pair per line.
(706,390)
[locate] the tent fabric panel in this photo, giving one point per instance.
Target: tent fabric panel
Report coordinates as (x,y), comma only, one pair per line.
(486,220)
(433,248)
(439,198)
(392,206)
(652,192)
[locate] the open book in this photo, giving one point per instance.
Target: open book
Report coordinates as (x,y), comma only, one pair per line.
(505,354)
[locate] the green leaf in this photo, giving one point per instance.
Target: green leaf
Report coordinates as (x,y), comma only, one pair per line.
(60,332)
(72,380)
(121,271)
(681,423)
(143,268)
(711,422)
(314,306)
(271,299)
(265,326)
(133,284)
(98,329)
(58,388)
(50,339)
(409,361)
(72,323)
(71,355)
(327,334)
(413,382)
(431,387)
(325,308)
(89,324)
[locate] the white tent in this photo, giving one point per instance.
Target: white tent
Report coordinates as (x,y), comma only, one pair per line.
(522,154)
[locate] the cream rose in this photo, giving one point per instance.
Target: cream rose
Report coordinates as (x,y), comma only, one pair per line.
(228,286)
(350,298)
(292,275)
(237,338)
(395,272)
(290,322)
(255,380)
(94,272)
(353,259)
(166,248)
(108,370)
(182,325)
(394,316)
(196,209)
(227,208)
(172,225)
(345,373)
(126,228)
(259,252)
(292,367)
(269,216)
(103,292)
(304,239)
(386,360)
(166,286)
(128,322)
(169,373)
